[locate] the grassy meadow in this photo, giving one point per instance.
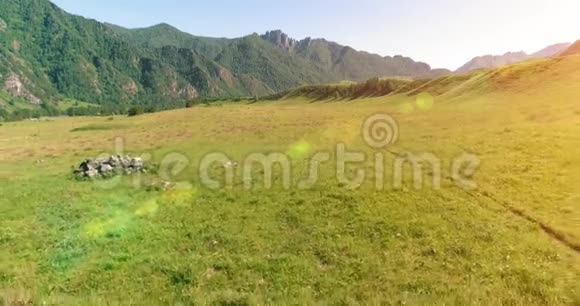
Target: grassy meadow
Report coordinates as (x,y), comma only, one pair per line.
(514,240)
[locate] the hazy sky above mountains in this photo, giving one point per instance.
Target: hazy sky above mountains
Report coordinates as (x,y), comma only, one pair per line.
(445,33)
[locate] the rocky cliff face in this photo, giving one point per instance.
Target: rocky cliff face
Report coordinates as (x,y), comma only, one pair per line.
(15,87)
(345,63)
(280,39)
(188,92)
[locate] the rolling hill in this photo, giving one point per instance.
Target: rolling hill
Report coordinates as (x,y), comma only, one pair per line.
(519,77)
(572,50)
(163,34)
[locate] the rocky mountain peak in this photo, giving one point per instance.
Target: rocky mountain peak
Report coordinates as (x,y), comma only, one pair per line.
(279,39)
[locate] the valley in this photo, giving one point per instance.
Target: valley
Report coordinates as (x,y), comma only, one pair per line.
(514,239)
(149,166)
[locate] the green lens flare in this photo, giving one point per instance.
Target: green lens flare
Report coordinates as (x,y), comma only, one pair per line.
(299,150)
(425,101)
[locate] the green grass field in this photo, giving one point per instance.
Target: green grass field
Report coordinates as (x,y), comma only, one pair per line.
(514,240)
(67,103)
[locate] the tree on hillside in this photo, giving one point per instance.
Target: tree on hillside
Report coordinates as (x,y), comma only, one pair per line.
(135,111)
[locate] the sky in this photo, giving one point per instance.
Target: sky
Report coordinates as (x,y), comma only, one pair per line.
(442,33)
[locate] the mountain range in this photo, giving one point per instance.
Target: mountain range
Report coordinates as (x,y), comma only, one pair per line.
(492,61)
(48,55)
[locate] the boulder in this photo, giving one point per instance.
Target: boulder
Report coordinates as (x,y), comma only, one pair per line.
(110,166)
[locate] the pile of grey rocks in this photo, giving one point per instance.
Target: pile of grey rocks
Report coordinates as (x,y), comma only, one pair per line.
(108,167)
